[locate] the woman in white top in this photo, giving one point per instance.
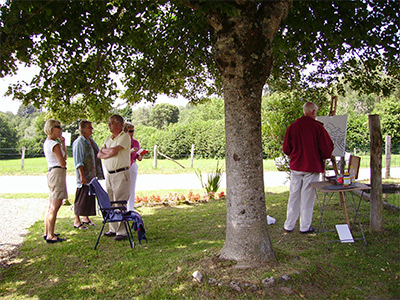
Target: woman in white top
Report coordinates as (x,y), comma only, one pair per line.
(56,156)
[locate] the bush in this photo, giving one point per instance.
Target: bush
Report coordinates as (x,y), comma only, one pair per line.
(177,139)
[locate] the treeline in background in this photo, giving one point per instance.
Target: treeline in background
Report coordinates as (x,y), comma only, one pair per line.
(175,129)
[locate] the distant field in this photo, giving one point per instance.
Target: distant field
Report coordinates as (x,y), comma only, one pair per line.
(38,166)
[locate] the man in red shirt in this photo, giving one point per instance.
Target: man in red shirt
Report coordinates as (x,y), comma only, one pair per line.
(307,143)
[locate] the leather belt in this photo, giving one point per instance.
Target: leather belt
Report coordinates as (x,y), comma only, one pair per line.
(56,167)
(118,170)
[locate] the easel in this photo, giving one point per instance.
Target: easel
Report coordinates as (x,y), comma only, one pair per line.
(332,112)
(341,194)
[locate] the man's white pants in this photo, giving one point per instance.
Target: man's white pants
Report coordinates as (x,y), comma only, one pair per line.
(301,200)
(118,186)
(133,171)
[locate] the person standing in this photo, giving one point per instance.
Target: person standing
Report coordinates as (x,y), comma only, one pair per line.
(87,167)
(129,128)
(115,152)
(307,144)
(56,156)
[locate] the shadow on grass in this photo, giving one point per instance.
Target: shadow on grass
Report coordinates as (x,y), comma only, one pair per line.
(185,239)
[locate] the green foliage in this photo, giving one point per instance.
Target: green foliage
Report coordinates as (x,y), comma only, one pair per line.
(126,113)
(100,132)
(163,114)
(147,136)
(34,144)
(318,32)
(279,110)
(357,133)
(213,180)
(207,136)
(8,137)
(389,114)
(168,47)
(141,115)
(205,111)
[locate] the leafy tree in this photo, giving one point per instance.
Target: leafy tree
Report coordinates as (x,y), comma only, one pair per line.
(141,115)
(27,110)
(163,114)
(126,113)
(210,110)
(34,144)
(199,48)
(8,137)
(389,114)
(279,110)
(357,136)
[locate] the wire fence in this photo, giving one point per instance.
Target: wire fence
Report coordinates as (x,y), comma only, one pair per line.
(14,153)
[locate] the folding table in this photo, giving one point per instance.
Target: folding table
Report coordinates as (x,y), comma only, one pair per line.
(329,189)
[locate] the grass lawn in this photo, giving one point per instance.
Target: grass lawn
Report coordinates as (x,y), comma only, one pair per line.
(38,166)
(185,239)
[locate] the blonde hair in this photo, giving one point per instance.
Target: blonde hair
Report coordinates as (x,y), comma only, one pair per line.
(128,126)
(49,125)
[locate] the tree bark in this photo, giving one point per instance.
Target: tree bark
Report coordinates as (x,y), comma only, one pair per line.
(244,57)
(388,155)
(376,173)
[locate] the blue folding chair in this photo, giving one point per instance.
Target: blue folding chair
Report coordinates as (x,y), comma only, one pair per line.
(112,214)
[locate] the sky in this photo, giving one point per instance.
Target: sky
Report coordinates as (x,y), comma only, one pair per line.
(26,74)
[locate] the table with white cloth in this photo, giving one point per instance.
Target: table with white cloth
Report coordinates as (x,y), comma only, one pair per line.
(329,189)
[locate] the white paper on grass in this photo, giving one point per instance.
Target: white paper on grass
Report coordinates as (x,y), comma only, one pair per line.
(344,233)
(270,220)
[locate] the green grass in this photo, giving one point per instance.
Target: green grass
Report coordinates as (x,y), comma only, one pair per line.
(184,239)
(38,166)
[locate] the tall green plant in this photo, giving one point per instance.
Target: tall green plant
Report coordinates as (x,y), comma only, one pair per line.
(213,181)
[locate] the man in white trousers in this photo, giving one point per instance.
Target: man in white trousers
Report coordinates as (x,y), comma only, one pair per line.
(307,144)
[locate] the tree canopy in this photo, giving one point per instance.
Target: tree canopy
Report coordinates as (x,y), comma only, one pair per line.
(168,47)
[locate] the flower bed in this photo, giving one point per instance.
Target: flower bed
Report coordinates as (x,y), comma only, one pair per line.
(172,199)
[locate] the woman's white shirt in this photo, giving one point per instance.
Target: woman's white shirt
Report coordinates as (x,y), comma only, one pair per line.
(49,154)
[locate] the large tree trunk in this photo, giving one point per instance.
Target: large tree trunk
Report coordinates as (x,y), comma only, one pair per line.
(244,58)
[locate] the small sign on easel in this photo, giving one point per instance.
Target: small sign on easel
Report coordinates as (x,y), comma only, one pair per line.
(344,233)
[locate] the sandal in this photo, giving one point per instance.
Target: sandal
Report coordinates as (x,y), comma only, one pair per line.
(90,223)
(45,236)
(81,227)
(58,240)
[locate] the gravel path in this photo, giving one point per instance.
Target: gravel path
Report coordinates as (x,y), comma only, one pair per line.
(17,215)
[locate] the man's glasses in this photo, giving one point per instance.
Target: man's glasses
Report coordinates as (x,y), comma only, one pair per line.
(59,127)
(131,131)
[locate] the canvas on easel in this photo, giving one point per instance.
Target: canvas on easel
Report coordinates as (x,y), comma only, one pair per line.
(336,126)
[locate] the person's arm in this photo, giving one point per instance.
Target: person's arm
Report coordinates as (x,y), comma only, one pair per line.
(62,140)
(78,152)
(62,161)
(326,145)
(105,153)
(82,175)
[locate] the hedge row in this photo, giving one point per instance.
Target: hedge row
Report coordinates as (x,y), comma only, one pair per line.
(176,140)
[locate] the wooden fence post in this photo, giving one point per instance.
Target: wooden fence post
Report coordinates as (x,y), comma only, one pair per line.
(376,173)
(191,156)
(23,157)
(388,155)
(155,157)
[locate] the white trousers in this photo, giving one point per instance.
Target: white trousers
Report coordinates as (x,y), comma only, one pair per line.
(301,200)
(133,171)
(118,186)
